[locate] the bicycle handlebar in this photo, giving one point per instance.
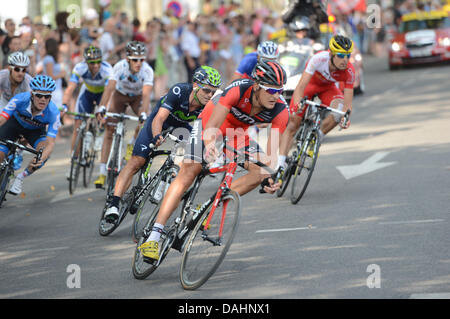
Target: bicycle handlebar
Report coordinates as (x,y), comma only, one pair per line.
(165,134)
(22,147)
(323,106)
(122,116)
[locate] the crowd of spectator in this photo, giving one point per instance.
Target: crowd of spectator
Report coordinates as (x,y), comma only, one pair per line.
(219,36)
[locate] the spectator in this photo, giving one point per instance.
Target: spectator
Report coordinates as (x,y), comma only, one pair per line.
(53,68)
(14,45)
(10,28)
(106,42)
(190,45)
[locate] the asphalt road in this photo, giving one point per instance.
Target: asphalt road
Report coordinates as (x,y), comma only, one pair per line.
(377,231)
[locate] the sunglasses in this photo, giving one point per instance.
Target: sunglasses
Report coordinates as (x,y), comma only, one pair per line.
(94,62)
(21,70)
(343,55)
(137,60)
(272,91)
(45,96)
(207,90)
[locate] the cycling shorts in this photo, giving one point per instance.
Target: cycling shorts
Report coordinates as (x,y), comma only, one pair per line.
(87,101)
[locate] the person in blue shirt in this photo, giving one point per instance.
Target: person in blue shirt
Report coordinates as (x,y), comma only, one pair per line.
(34,116)
(181,105)
(267,50)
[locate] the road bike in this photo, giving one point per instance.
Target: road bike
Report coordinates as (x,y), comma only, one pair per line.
(198,231)
(301,164)
(84,152)
(148,190)
(7,166)
(115,158)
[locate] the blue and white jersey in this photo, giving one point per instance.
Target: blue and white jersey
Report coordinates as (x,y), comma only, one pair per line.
(131,84)
(96,85)
(247,65)
(20,108)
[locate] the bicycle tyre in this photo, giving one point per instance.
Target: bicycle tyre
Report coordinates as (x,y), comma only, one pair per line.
(296,182)
(75,164)
(5,177)
(196,268)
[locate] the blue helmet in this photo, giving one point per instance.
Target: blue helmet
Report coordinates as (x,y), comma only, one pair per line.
(43,83)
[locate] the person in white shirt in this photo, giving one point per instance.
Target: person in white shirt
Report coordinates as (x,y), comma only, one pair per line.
(131,84)
(190,44)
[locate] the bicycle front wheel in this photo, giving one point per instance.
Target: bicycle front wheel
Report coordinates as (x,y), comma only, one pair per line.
(5,176)
(88,168)
(304,169)
(206,249)
(75,164)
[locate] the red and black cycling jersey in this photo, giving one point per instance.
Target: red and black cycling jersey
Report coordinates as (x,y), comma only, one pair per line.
(237,97)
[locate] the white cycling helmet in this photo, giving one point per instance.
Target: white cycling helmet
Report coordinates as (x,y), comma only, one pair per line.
(19,59)
(268,50)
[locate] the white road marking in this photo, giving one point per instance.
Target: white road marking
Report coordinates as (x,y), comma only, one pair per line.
(284,229)
(412,222)
(439,295)
(369,165)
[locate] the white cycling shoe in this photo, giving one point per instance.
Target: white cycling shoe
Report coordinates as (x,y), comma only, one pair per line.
(16,187)
(112,214)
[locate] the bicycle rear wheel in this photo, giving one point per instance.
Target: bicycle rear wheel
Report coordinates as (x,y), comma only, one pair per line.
(75,164)
(205,250)
(304,169)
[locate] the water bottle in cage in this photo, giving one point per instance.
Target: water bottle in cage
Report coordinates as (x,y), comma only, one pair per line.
(88,140)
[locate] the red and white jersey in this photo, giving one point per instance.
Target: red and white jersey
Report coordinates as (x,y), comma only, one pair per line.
(318,67)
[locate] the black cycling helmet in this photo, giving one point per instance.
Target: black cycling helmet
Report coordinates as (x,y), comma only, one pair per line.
(92,53)
(136,48)
(269,72)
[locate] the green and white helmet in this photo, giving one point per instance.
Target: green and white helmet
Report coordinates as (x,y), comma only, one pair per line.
(207,75)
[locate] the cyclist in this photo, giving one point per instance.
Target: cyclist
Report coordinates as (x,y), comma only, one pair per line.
(93,74)
(321,77)
(181,105)
(242,104)
(267,50)
(13,81)
(34,116)
(131,84)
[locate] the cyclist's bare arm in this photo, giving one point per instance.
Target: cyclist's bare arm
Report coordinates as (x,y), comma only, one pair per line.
(146,93)
(47,146)
(300,88)
(159,120)
(3,120)
(108,92)
(69,92)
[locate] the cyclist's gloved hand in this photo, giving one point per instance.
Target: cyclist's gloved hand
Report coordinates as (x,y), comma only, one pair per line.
(269,186)
(156,141)
(142,117)
(100,112)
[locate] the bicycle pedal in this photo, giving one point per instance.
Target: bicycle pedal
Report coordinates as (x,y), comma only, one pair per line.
(150,261)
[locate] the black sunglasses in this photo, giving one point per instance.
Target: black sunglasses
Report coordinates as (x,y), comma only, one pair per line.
(45,96)
(207,90)
(136,60)
(19,69)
